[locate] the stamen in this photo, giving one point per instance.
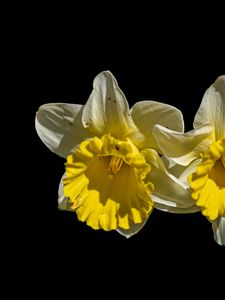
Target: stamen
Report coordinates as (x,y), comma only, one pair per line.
(114,165)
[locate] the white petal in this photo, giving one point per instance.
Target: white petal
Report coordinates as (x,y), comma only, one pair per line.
(146,114)
(218,227)
(107,110)
(183,176)
(172,167)
(183,148)
(212,108)
(176,210)
(59,126)
(134,228)
(62,200)
(169,192)
(181,172)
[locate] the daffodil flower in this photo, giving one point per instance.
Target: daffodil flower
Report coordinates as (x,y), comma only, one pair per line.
(113,166)
(202,152)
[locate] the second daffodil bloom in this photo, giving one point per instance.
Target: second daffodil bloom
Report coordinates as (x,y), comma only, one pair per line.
(202,151)
(113,165)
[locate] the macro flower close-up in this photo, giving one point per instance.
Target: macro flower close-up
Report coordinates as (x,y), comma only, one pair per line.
(114,174)
(200,153)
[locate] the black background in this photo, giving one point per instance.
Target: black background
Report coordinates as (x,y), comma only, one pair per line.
(151,60)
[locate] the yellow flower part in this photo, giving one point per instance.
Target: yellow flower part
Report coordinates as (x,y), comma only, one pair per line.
(105,183)
(208,182)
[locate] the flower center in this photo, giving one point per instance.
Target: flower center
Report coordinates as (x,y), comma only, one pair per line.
(217,173)
(208,182)
(114,165)
(97,176)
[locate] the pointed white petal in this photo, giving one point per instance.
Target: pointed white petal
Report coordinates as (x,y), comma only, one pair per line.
(218,227)
(169,191)
(62,200)
(107,110)
(60,128)
(212,108)
(183,148)
(168,162)
(181,172)
(146,114)
(190,169)
(134,228)
(173,168)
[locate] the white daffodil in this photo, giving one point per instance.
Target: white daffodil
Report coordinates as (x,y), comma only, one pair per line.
(202,152)
(113,166)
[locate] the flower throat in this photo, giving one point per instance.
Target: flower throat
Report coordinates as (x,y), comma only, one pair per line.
(114,165)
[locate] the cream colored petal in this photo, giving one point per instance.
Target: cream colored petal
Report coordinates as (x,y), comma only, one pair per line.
(169,192)
(186,171)
(107,110)
(176,210)
(174,168)
(183,148)
(169,164)
(146,114)
(218,227)
(179,171)
(182,172)
(134,228)
(60,128)
(62,199)
(212,108)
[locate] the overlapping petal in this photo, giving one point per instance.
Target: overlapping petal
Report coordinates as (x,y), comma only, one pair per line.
(183,148)
(63,201)
(134,228)
(170,193)
(107,110)
(146,114)
(212,108)
(218,227)
(60,128)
